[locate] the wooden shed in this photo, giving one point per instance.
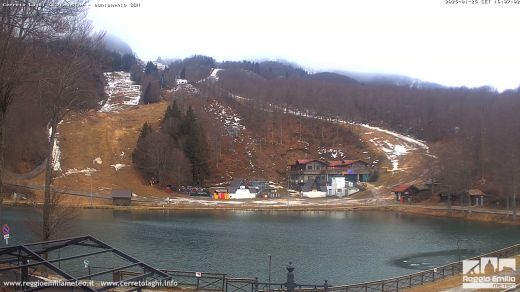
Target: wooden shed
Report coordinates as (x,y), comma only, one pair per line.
(476,196)
(404,192)
(121,197)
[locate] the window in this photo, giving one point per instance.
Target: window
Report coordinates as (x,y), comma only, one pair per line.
(309,167)
(339,191)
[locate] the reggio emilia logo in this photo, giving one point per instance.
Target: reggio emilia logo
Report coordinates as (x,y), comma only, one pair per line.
(489,273)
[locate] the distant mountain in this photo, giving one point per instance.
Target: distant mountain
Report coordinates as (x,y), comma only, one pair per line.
(267,69)
(389,79)
(113,43)
(332,78)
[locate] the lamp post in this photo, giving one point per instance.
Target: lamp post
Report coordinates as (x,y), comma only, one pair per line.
(91,188)
(269,275)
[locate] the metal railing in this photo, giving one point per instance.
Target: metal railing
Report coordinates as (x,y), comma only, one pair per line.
(220,282)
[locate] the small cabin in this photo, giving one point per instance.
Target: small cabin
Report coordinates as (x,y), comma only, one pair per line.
(476,196)
(405,192)
(121,197)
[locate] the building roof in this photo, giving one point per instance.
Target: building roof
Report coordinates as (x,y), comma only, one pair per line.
(335,163)
(239,182)
(313,183)
(402,188)
(305,161)
(121,194)
(332,163)
(475,192)
(235,185)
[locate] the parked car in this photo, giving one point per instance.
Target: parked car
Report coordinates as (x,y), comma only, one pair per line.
(200,192)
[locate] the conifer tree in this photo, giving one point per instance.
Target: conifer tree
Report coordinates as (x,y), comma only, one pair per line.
(183,73)
(195,147)
(140,145)
(147,94)
(172,121)
(150,68)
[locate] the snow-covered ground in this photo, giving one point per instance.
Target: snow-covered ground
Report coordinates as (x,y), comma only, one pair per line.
(234,127)
(186,88)
(393,151)
(213,76)
(56,151)
(326,153)
(397,135)
(120,91)
(87,171)
(56,154)
(226,115)
(118,166)
(214,73)
(250,150)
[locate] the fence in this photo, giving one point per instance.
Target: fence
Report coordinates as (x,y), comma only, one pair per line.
(220,282)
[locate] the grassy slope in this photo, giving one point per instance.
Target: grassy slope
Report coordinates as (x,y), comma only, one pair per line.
(108,135)
(104,135)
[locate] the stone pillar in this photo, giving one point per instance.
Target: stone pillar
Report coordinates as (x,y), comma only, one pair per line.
(290,284)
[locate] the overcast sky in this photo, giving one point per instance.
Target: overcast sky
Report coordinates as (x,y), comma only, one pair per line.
(454,45)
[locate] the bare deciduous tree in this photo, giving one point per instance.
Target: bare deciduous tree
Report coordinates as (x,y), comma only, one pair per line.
(65,85)
(21,26)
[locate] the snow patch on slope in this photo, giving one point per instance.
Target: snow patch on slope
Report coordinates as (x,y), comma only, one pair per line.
(118,166)
(225,114)
(392,151)
(120,91)
(56,151)
(87,171)
(397,135)
(186,88)
(331,153)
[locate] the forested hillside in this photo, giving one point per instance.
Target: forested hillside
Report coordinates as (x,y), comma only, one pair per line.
(472,129)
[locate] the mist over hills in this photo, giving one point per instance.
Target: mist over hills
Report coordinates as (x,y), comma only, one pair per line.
(114,43)
(390,79)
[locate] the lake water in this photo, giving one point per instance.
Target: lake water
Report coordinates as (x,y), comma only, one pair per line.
(342,247)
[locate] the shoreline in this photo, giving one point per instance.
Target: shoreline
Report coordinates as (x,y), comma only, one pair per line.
(416,210)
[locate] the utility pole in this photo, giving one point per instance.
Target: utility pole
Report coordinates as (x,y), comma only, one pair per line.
(269,275)
(513,183)
(281,122)
(449,204)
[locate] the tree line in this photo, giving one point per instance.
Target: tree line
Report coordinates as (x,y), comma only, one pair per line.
(51,64)
(177,152)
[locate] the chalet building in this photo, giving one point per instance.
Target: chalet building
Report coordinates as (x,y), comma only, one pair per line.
(405,192)
(304,170)
(160,66)
(121,197)
(352,170)
(339,186)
